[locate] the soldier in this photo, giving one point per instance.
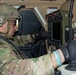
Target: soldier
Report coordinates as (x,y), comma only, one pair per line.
(12,62)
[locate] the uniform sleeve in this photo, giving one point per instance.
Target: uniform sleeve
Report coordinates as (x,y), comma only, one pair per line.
(22,40)
(34,66)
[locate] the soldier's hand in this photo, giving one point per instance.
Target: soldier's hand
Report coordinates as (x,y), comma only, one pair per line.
(69,50)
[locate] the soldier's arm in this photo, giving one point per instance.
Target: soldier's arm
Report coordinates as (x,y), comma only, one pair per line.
(43,65)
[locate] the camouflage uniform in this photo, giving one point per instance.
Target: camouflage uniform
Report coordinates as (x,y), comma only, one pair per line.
(11,64)
(22,40)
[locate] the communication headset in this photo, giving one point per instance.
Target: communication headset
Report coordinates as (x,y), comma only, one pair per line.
(2,18)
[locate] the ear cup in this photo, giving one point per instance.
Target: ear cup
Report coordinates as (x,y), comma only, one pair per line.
(1,20)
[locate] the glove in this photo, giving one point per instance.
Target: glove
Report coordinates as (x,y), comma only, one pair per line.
(40,35)
(44,34)
(69,50)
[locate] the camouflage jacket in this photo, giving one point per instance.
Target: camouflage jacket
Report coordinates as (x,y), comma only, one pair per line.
(11,64)
(22,40)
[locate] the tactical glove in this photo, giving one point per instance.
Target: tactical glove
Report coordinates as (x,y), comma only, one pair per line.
(69,50)
(41,35)
(44,34)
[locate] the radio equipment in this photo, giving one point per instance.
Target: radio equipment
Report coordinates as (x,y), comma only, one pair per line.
(57,23)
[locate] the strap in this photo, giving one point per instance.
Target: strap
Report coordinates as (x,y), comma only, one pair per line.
(17,51)
(65,52)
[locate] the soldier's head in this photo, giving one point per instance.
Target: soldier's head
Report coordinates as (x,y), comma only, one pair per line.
(8,19)
(66,6)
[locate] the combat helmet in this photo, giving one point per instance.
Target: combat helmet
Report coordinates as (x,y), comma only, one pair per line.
(7,11)
(66,6)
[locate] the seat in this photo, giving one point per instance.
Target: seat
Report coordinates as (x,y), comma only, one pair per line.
(30,24)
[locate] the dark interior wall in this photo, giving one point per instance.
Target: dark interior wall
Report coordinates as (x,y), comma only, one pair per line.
(29,23)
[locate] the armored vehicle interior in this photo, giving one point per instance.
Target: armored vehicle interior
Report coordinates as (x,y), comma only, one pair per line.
(48,22)
(41,16)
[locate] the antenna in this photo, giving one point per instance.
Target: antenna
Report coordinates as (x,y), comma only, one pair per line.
(70,19)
